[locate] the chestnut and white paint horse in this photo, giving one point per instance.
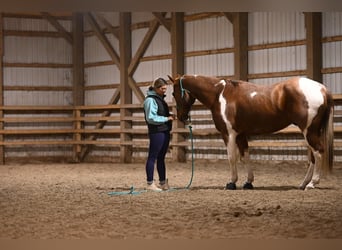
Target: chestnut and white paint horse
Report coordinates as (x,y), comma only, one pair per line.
(240,109)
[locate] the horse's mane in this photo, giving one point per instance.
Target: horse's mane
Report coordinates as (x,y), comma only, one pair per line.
(234,82)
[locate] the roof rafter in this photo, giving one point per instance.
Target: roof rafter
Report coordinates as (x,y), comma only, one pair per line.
(53,21)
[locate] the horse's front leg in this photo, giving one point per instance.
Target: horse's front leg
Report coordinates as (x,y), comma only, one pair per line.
(232,152)
(242,143)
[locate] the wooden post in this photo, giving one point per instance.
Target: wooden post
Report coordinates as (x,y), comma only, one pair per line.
(240,30)
(125,43)
(78,74)
(77,136)
(2,151)
(240,33)
(177,43)
(313,24)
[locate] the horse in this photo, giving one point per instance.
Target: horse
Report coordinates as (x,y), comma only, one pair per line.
(242,109)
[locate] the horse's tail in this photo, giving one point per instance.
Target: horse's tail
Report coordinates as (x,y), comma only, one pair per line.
(328,136)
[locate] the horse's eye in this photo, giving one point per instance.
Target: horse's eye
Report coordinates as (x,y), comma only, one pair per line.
(173,94)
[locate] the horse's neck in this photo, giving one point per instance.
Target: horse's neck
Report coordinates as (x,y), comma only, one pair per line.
(206,93)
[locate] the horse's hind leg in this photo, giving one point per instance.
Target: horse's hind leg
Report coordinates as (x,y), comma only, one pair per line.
(313,175)
(316,171)
(309,172)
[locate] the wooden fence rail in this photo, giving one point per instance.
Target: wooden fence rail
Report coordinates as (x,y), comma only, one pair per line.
(75,126)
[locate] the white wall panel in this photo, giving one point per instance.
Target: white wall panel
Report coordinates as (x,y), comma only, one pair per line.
(94,51)
(225,64)
(39,98)
(138,17)
(98,97)
(149,70)
(212,65)
(37,50)
(333,82)
(332,51)
(224,37)
(268,81)
(272,27)
(277,59)
(207,34)
(332,54)
(102,75)
(331,24)
(137,37)
(160,44)
(27,24)
(38,76)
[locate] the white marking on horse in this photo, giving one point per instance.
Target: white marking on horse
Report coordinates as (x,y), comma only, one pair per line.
(254,93)
(232,149)
(312,92)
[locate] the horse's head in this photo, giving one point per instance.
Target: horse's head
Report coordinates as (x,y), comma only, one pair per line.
(184,99)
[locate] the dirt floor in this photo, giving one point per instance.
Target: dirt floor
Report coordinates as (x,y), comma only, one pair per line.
(72,201)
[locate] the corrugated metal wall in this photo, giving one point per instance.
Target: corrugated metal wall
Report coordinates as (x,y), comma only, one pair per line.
(212,33)
(19,49)
(332,51)
(36,50)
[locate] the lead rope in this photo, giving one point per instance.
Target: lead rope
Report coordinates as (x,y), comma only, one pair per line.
(132,191)
(191,137)
(192,154)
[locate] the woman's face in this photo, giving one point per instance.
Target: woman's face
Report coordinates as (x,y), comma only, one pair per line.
(161,90)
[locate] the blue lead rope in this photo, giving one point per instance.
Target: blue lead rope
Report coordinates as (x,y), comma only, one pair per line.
(192,156)
(132,191)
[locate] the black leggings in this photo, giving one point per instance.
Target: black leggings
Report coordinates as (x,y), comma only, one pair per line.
(159,143)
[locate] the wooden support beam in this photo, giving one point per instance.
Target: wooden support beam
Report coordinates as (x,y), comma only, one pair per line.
(313,24)
(143,46)
(229,16)
(126,151)
(137,91)
(108,25)
(53,21)
(78,74)
(177,44)
(99,125)
(240,33)
(114,55)
(78,59)
(102,37)
(2,151)
(116,96)
(162,20)
(139,54)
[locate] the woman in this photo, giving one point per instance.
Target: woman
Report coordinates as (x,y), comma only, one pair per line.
(159,122)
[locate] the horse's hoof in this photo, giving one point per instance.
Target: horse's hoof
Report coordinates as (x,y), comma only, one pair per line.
(309,186)
(231,186)
(248,185)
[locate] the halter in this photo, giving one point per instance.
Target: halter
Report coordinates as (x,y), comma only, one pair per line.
(183,90)
(181,87)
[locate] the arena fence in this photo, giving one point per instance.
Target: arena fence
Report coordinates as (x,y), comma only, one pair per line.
(121,130)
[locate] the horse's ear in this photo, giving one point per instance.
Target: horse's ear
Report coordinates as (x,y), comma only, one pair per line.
(171,79)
